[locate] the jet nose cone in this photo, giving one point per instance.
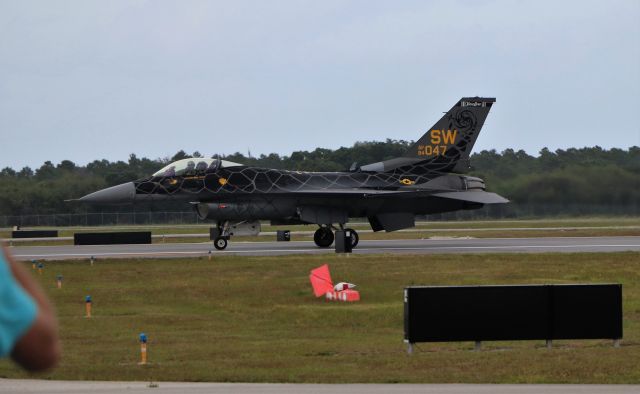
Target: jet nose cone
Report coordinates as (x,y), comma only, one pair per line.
(123,193)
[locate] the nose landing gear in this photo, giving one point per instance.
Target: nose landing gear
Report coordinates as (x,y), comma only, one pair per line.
(220,243)
(222,240)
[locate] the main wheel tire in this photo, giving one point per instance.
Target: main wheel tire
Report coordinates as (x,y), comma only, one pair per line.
(354,237)
(220,243)
(323,237)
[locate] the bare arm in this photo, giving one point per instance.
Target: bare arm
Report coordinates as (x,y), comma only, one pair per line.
(39,348)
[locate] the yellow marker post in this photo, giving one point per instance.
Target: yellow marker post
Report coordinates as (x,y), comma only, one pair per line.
(33,264)
(87,301)
(40,267)
(143,349)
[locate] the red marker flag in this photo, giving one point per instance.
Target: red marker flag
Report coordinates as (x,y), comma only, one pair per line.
(321,280)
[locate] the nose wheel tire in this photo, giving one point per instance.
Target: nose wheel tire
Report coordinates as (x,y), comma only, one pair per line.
(220,243)
(323,237)
(354,237)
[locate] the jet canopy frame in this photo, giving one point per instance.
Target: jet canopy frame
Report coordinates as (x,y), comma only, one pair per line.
(193,166)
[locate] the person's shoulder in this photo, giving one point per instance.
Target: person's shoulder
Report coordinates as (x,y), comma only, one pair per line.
(4,267)
(18,309)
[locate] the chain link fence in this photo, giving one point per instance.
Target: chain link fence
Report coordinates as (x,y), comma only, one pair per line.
(101,219)
(498,211)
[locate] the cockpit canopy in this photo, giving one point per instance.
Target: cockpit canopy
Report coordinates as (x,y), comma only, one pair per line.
(194,166)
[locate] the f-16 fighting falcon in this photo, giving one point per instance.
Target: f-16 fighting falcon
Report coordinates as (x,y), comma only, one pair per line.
(426,180)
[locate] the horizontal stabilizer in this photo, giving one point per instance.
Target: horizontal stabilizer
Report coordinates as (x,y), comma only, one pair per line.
(474,196)
(392,221)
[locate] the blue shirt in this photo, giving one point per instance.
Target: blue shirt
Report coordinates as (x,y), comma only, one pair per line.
(17,309)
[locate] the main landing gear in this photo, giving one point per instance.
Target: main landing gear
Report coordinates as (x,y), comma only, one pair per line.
(323,237)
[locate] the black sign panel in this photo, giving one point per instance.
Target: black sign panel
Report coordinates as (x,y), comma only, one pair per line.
(527,312)
(476,313)
(34,233)
(133,237)
(586,311)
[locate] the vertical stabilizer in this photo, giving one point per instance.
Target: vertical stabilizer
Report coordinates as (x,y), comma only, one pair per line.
(449,142)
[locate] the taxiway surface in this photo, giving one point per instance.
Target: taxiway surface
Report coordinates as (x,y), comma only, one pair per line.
(413,246)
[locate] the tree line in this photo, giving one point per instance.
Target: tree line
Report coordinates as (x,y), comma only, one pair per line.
(563,182)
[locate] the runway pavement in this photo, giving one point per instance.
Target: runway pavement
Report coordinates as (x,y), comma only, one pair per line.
(419,246)
(33,386)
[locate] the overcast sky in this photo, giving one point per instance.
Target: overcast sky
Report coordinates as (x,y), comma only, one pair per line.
(84,80)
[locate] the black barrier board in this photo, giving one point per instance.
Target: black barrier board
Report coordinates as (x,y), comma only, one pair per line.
(475,313)
(527,312)
(133,237)
(283,235)
(34,233)
(587,311)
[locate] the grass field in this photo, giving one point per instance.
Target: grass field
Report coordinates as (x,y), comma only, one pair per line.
(254,319)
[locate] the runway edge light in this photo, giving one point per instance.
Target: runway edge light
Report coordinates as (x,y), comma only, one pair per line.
(88,302)
(143,348)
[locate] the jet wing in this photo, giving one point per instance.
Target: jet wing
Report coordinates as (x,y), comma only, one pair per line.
(352,191)
(478,196)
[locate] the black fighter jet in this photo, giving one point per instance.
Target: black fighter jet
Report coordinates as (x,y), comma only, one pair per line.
(426,180)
